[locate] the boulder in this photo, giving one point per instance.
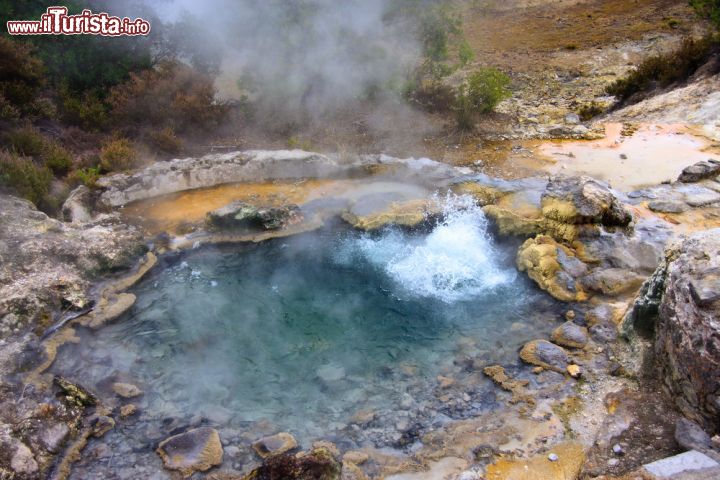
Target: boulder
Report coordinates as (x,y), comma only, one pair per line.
(317,464)
(613,281)
(570,335)
(700,171)
(582,200)
(681,303)
(245,215)
(554,267)
(275,445)
(77,207)
(546,355)
(196,450)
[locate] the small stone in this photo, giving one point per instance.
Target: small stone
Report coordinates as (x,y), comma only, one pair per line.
(355,456)
(363,417)
(553,457)
(618,450)
(128,410)
(275,445)
(538,370)
(102,425)
(570,315)
(544,354)
(668,206)
(571,335)
(574,371)
(126,390)
(445,382)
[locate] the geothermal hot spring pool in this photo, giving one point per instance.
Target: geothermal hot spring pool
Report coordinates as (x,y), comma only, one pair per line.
(336,335)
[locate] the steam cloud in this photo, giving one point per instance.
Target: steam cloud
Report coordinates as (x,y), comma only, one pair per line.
(310,56)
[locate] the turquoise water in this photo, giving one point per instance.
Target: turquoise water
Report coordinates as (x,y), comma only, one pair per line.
(300,334)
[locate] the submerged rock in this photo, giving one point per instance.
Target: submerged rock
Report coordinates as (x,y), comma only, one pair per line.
(275,445)
(126,390)
(571,335)
(317,464)
(245,215)
(196,450)
(546,355)
(553,267)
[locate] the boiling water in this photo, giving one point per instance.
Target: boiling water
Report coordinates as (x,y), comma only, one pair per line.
(301,334)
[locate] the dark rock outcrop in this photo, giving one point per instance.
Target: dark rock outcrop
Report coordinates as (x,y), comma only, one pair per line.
(244,215)
(681,304)
(700,171)
(317,464)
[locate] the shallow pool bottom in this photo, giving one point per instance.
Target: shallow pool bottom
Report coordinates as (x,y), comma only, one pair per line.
(365,339)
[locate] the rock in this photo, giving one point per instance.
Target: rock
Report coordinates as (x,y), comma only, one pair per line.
(687,339)
(23,462)
(581,200)
(700,171)
(483,194)
(572,118)
(571,335)
(408,213)
(128,410)
(574,371)
(613,281)
(685,462)
(54,437)
(77,207)
(545,354)
(618,450)
(126,390)
(445,382)
(275,445)
(553,267)
(75,394)
(363,417)
(196,450)
(317,464)
(102,425)
(355,456)
(668,206)
(690,436)
(698,195)
(244,215)
(553,457)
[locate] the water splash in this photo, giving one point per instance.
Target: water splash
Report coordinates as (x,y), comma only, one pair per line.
(455,261)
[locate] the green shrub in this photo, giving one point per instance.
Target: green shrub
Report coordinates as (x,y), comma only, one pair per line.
(118,155)
(590,110)
(85,176)
(85,110)
(480,93)
(56,158)
(26,141)
(709,9)
(25,177)
(665,69)
(165,140)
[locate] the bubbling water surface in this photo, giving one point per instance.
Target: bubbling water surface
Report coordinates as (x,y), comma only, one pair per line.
(303,333)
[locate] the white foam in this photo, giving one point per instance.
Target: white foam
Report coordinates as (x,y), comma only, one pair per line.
(455,261)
